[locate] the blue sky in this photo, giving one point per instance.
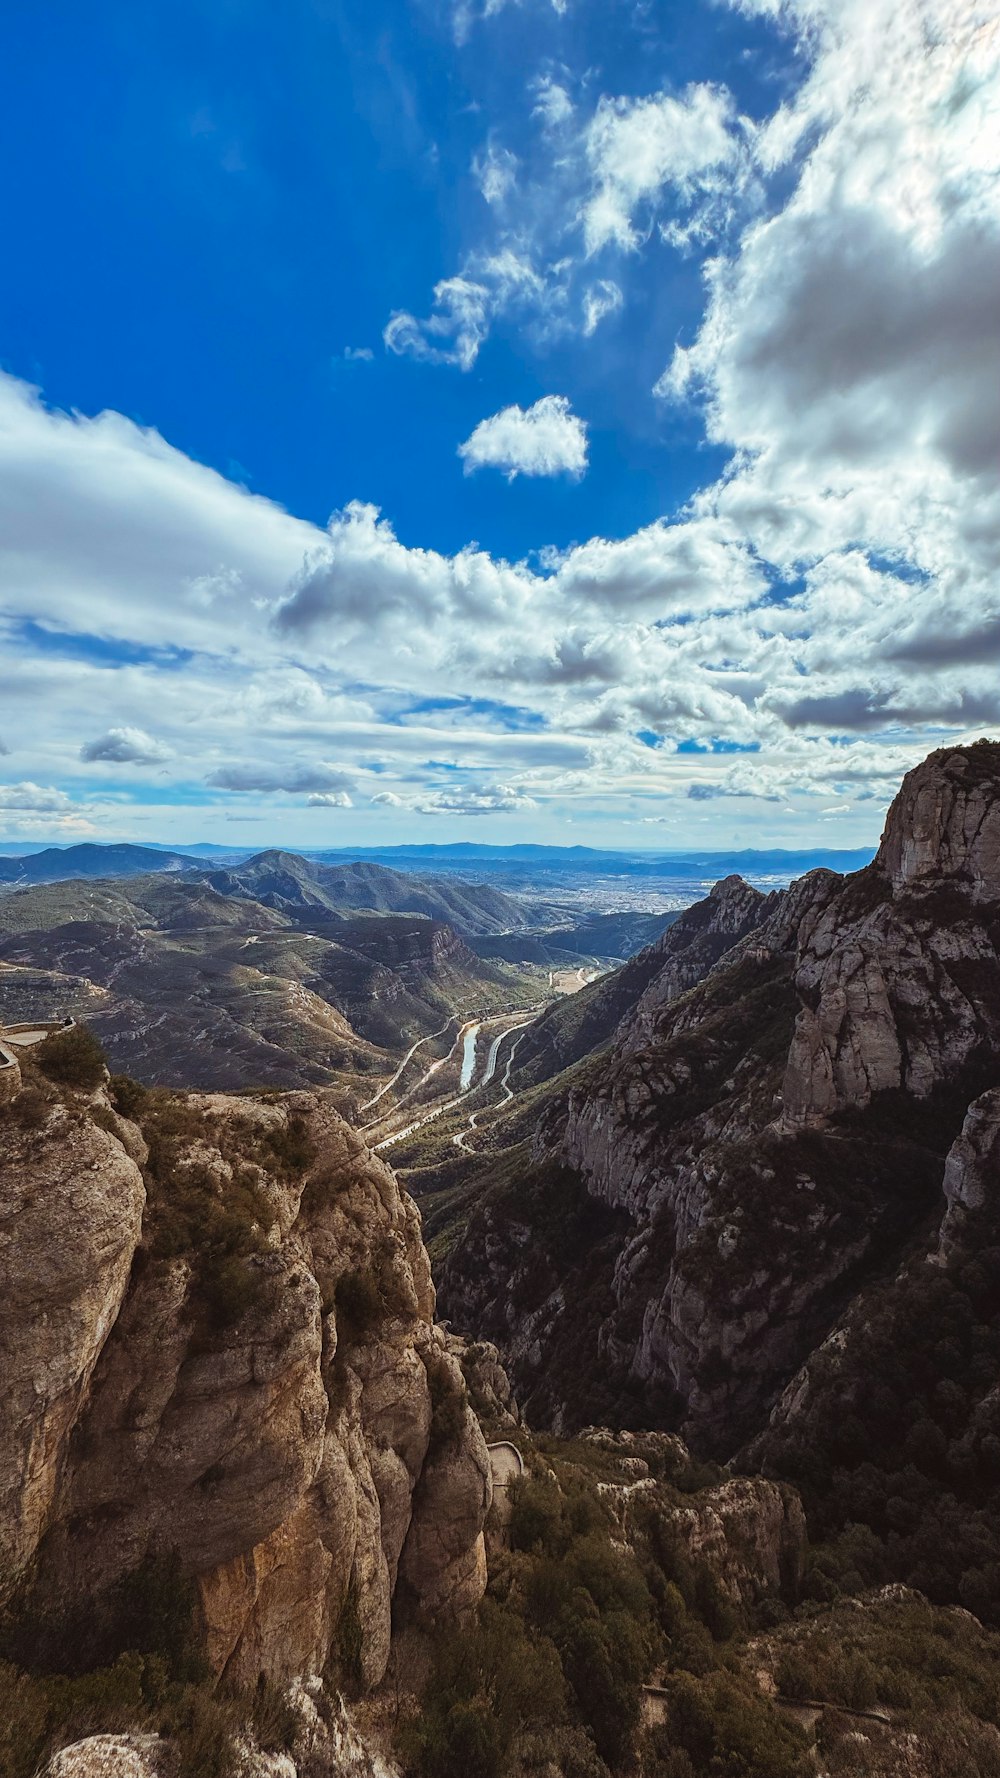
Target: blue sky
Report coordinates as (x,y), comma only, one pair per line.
(649,527)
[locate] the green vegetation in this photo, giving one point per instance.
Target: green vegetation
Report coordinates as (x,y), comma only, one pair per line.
(721,1727)
(897,1453)
(129,1661)
(574,1624)
(213,1212)
(72,1058)
(221,1232)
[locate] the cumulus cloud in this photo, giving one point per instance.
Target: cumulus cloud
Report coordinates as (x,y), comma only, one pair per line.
(329,799)
(482,799)
(122,746)
(34,798)
(832,601)
(107,530)
(546,439)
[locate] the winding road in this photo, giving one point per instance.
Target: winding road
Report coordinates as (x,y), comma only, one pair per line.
(411,1052)
(467,1037)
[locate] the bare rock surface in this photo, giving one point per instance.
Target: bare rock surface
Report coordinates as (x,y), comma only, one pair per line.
(264,1418)
(114,1756)
(71,1203)
(972,1170)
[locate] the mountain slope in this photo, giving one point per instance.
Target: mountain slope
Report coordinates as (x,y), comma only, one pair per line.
(765,1137)
(187,986)
(293,884)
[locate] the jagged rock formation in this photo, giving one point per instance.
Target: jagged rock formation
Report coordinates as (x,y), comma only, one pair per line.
(750,1533)
(233,1363)
(326,1744)
(749,1131)
(972,1170)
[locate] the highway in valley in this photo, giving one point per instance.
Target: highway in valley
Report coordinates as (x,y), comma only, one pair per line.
(465,1048)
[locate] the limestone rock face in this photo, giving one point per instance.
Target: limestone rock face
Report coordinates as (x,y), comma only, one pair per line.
(113,1756)
(443,1561)
(972,1170)
(945,825)
(71,1203)
(767,1125)
(750,1532)
(900,979)
(268,1424)
(326,1744)
(690,947)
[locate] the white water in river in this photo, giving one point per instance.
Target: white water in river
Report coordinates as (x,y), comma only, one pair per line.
(468,1059)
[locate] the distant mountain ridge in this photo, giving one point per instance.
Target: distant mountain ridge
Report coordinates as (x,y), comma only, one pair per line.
(287,881)
(187,986)
(55,863)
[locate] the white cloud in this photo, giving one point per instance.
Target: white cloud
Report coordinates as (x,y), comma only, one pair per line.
(121,746)
(553,104)
(34,798)
(329,799)
(455,331)
(546,439)
(358,354)
(107,530)
(466,13)
(637,147)
(831,604)
(496,173)
(469,799)
(600,299)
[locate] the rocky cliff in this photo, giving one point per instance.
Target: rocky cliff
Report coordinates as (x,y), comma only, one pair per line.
(219,1348)
(766,1131)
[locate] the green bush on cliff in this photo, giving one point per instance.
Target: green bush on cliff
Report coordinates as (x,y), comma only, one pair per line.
(72,1058)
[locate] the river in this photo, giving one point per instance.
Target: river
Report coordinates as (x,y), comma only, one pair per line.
(468,1058)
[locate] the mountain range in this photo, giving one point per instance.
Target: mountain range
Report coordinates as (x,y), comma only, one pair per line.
(192,986)
(701,1476)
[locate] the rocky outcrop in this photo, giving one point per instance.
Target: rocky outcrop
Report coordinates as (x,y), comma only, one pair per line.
(972,1169)
(750,1126)
(244,1377)
(750,1534)
(326,1743)
(71,1204)
(113,1756)
(488,1383)
(900,979)
(944,825)
(691,947)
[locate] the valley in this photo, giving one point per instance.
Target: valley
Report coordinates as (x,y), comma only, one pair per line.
(713,1229)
